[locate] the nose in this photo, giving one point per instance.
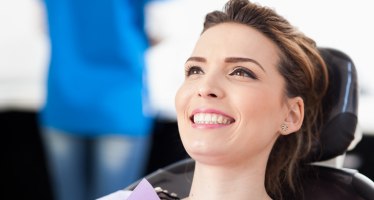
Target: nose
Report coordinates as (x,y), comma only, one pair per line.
(210,88)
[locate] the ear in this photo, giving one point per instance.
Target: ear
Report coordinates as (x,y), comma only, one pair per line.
(295,116)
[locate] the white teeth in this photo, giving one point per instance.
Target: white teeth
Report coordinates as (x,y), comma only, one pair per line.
(207,118)
(220,119)
(214,118)
(210,118)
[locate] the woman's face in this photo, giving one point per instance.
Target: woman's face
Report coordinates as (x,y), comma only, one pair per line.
(231,104)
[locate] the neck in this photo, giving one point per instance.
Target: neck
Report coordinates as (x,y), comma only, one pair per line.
(237,182)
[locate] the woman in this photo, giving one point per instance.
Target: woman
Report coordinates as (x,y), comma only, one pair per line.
(248,107)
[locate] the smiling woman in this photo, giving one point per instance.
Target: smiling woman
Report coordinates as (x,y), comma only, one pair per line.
(248,106)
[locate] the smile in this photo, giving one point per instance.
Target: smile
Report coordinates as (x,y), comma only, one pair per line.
(211,118)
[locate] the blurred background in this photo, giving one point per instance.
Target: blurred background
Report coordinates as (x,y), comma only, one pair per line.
(173,26)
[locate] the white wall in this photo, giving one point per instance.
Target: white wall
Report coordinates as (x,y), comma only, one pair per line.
(345,25)
(24,53)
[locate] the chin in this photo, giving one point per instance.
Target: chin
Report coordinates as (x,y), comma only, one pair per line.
(210,156)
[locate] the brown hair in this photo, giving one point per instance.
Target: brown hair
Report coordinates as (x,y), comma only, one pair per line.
(305,74)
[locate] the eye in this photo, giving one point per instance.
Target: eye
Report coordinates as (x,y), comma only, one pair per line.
(243,72)
(193,70)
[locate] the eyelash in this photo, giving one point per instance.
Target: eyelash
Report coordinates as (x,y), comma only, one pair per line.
(191,70)
(244,72)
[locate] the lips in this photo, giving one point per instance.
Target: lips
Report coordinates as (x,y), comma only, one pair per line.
(211,117)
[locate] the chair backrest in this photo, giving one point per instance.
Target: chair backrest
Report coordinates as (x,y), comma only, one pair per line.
(341,104)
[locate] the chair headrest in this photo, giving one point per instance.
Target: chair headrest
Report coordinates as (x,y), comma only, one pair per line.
(341,104)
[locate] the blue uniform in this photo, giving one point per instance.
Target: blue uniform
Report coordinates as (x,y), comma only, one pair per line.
(95,126)
(95,79)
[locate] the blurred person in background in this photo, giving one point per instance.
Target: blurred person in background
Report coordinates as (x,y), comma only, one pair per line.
(96,126)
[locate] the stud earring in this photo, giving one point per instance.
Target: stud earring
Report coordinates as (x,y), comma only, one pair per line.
(284,128)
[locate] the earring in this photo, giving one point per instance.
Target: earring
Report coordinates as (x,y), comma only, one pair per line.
(284,128)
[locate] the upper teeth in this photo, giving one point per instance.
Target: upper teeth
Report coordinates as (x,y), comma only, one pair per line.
(210,118)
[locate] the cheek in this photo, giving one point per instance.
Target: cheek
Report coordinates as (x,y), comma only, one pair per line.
(182,103)
(258,128)
(181,99)
(261,111)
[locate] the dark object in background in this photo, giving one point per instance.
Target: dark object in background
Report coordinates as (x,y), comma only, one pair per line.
(166,146)
(363,156)
(23,173)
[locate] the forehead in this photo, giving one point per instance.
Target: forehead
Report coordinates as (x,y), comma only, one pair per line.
(233,39)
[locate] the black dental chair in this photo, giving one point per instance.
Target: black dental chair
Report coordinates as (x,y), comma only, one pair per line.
(325,183)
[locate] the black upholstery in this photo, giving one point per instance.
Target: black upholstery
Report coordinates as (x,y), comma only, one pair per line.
(340,122)
(328,183)
(323,183)
(341,104)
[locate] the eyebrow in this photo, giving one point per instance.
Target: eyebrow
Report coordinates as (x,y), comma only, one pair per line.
(241,59)
(197,59)
(228,60)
